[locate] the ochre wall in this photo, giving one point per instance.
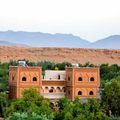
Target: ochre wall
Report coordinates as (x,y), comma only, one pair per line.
(13,75)
(28,73)
(85,85)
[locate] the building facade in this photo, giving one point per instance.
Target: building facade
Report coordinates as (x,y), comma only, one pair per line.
(71,83)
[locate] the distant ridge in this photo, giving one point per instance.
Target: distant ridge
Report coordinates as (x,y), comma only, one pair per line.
(6,43)
(111,42)
(38,39)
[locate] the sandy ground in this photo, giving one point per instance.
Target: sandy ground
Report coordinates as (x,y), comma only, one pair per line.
(58,55)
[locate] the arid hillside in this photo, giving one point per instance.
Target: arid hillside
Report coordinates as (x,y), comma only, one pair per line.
(73,55)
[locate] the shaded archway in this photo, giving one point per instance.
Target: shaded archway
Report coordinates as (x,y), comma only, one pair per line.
(52,90)
(46,90)
(58,90)
(63,89)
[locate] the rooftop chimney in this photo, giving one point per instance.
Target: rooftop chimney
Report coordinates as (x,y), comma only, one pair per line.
(75,65)
(22,63)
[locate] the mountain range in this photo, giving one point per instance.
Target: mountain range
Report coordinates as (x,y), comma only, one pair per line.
(38,39)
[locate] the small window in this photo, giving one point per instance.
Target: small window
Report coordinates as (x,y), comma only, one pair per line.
(58,77)
(80,93)
(24,79)
(69,92)
(34,79)
(92,79)
(80,79)
(91,93)
(68,78)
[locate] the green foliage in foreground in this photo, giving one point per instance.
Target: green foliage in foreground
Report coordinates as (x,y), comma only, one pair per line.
(26,116)
(3,103)
(30,103)
(77,110)
(111,97)
(69,110)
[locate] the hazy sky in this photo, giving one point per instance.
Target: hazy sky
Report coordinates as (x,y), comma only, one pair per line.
(89,19)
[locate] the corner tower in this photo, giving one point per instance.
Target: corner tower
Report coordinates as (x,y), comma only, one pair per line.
(23,77)
(82,82)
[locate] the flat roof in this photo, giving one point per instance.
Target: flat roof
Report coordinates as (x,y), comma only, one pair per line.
(25,66)
(82,67)
(54,70)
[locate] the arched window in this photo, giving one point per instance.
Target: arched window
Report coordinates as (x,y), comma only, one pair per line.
(24,78)
(92,79)
(91,93)
(34,79)
(80,79)
(80,93)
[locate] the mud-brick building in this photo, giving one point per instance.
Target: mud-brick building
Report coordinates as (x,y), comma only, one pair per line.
(72,82)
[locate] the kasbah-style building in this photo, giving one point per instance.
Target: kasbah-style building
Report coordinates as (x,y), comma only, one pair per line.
(71,83)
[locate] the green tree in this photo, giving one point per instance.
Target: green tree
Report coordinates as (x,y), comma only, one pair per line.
(109,72)
(111,97)
(61,66)
(3,103)
(104,71)
(68,116)
(26,116)
(29,103)
(66,110)
(3,77)
(62,103)
(80,110)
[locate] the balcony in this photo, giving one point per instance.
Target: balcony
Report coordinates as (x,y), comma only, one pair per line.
(53,79)
(53,95)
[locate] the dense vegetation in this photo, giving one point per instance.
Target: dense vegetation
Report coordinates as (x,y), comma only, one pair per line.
(34,107)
